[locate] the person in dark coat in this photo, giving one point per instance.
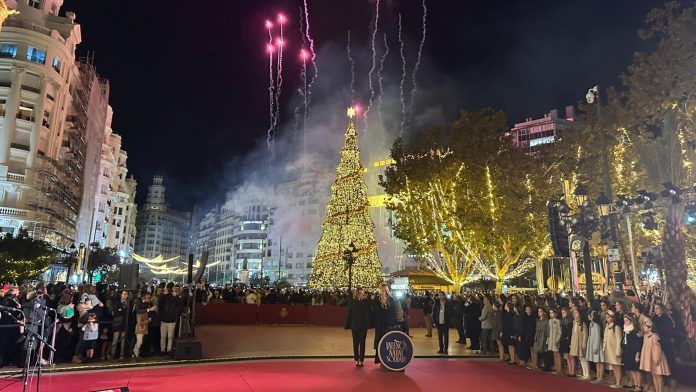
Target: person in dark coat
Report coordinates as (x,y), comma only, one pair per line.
(359,321)
(384,310)
(472,312)
(529,327)
(10,335)
(631,345)
(509,332)
(663,325)
(458,306)
(442,314)
(566,332)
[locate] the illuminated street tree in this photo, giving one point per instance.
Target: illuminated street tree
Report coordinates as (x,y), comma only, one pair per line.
(476,209)
(659,111)
(347,221)
(429,212)
(23,258)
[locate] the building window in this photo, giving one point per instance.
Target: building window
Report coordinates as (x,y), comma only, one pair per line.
(56,64)
(36,55)
(35,3)
(8,50)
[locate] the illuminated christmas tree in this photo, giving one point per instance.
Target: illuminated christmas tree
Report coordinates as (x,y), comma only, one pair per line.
(347,221)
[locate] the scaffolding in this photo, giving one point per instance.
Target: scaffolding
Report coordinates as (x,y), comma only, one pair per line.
(60,182)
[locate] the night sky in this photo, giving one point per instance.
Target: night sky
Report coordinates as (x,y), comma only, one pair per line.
(189,78)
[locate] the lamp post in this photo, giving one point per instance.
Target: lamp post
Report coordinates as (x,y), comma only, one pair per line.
(584,224)
(349,259)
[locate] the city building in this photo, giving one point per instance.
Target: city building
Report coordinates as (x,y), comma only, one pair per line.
(119,229)
(532,133)
(296,224)
(52,116)
(160,230)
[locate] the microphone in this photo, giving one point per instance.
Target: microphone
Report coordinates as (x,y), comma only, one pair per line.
(9,309)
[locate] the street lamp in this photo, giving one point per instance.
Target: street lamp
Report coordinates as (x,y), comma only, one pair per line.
(349,259)
(604,205)
(581,224)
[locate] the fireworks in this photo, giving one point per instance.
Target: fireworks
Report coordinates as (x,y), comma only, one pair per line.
(381,82)
(414,84)
(403,80)
(374,63)
(352,69)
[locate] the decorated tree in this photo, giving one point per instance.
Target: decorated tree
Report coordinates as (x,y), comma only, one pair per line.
(476,209)
(347,222)
(424,192)
(23,258)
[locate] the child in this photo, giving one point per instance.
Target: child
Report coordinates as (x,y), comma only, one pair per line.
(652,359)
(90,334)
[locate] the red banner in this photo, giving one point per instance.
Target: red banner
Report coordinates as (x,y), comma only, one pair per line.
(327,315)
(281,314)
(226,314)
(243,314)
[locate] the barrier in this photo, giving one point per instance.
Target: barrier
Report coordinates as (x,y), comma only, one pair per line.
(243,314)
(281,314)
(239,314)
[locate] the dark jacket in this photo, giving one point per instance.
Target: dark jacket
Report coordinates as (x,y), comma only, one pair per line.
(566,332)
(169,307)
(507,323)
(427,306)
(385,318)
(118,312)
(359,315)
(449,311)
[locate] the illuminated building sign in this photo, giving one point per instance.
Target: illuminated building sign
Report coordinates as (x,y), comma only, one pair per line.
(541,140)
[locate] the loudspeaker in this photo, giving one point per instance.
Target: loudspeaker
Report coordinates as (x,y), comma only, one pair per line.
(128,277)
(188,348)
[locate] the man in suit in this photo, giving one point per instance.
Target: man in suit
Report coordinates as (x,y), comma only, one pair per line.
(442,314)
(428,314)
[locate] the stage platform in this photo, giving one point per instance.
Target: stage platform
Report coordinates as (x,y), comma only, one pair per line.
(316,376)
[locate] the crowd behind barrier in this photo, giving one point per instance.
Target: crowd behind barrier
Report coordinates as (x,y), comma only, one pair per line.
(612,335)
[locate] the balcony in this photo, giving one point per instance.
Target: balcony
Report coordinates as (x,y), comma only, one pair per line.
(14,212)
(15,177)
(24,24)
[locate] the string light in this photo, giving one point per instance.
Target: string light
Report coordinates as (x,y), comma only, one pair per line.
(347,221)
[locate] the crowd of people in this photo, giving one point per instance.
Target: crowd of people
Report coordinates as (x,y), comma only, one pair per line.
(632,338)
(92,322)
(621,340)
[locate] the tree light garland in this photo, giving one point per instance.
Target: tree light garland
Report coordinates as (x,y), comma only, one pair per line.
(347,221)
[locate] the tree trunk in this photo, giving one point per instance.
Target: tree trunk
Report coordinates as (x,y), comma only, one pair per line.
(679,295)
(499,286)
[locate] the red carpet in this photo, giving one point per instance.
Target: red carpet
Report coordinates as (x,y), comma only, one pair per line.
(310,376)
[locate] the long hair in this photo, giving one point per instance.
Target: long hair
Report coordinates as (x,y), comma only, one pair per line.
(384,296)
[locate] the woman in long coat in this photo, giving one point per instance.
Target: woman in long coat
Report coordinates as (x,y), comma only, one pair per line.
(652,358)
(595,352)
(578,346)
(612,346)
(509,332)
(518,326)
(359,321)
(553,348)
(631,344)
(496,330)
(541,337)
(566,333)
(385,315)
